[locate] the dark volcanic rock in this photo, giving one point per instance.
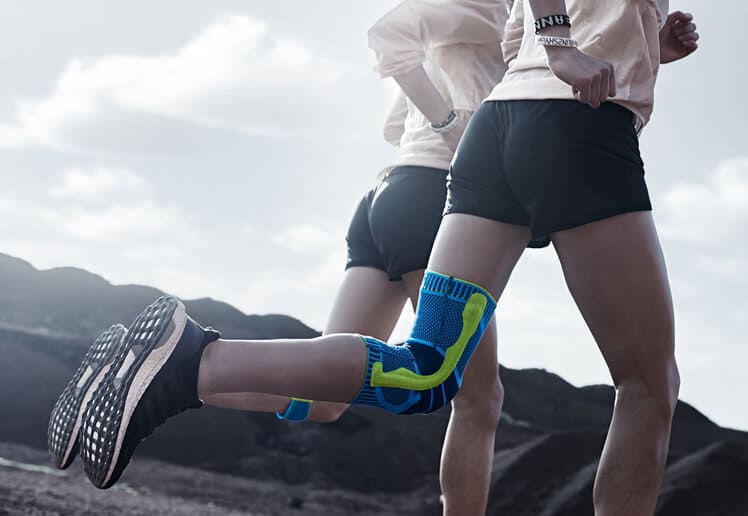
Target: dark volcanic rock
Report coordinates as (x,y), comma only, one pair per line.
(710,482)
(559,458)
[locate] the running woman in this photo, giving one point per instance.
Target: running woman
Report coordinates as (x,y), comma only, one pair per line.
(446,56)
(547,158)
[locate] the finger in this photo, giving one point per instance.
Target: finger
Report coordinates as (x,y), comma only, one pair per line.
(604,84)
(690,46)
(595,92)
(611,82)
(677,17)
(584,92)
(680,30)
(691,36)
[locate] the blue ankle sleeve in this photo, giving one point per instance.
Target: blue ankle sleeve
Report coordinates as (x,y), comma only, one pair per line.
(297,410)
(425,372)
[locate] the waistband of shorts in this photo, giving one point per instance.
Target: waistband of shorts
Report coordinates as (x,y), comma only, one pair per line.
(609,105)
(414,169)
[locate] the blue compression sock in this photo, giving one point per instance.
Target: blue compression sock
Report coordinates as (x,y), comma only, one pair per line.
(425,372)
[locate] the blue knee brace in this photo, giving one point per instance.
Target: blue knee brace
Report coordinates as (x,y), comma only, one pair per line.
(425,372)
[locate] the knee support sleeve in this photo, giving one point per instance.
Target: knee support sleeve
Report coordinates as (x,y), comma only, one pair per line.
(425,372)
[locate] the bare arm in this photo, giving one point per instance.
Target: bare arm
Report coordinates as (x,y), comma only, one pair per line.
(592,80)
(421,91)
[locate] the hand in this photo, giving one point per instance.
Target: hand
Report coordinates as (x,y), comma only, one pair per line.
(678,37)
(592,80)
(453,133)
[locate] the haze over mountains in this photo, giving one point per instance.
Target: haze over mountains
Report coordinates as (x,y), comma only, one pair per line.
(370,462)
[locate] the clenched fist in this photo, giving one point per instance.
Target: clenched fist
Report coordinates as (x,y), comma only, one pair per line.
(592,79)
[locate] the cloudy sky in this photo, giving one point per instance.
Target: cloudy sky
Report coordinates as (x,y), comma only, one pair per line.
(219,148)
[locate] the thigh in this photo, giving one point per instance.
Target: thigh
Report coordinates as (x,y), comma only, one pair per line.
(479,250)
(367,302)
(615,271)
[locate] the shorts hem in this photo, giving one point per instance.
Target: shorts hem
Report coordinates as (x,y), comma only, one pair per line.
(583,221)
(390,275)
(483,215)
(369,265)
(397,274)
(542,238)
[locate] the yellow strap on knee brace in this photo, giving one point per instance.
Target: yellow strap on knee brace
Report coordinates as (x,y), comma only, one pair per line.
(406,379)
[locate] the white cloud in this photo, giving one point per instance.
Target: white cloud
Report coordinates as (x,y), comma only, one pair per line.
(127,239)
(14,137)
(248,229)
(714,211)
(305,291)
(307,239)
(67,215)
(703,227)
(122,222)
(236,74)
(82,184)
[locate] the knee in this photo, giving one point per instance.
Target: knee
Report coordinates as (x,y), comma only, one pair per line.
(659,387)
(482,407)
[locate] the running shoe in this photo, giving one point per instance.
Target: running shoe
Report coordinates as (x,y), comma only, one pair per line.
(65,420)
(153,377)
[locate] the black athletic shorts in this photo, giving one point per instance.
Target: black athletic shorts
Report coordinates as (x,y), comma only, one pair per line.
(548,164)
(395,224)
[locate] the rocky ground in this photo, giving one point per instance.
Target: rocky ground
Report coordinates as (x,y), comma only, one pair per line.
(29,486)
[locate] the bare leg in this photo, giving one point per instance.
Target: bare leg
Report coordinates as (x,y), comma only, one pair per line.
(478,250)
(248,401)
(332,367)
(467,455)
(374,314)
(367,303)
(615,270)
(328,368)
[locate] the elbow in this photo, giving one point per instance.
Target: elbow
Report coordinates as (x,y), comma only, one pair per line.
(397,46)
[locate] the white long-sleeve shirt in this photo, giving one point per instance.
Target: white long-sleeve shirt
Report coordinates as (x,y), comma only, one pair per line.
(458,43)
(623,32)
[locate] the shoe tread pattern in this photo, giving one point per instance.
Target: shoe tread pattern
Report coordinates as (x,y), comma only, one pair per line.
(103,417)
(65,414)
